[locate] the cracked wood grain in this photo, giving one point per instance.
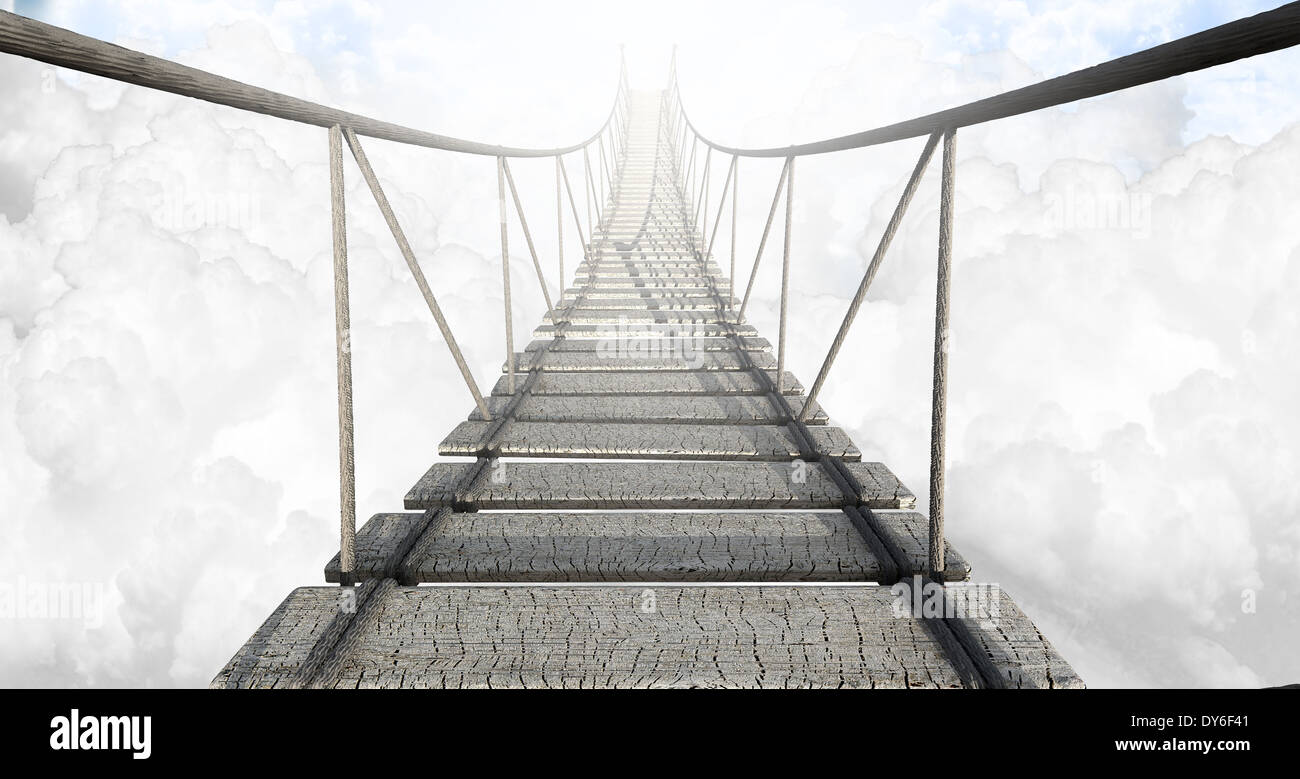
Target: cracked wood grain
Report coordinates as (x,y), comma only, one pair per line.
(820,636)
(632,346)
(594,547)
(661,409)
(675,357)
(622,440)
(657,485)
(714,383)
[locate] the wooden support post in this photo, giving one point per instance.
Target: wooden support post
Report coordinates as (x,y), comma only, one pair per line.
(785,275)
(735,178)
(343,356)
(559,221)
(505,274)
(939,406)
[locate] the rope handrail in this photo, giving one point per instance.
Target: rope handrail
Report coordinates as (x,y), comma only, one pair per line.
(56,46)
(1259,34)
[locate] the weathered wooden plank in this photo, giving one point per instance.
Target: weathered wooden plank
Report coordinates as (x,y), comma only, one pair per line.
(647,303)
(653,485)
(648,347)
(661,283)
(444,484)
(633,236)
(642,217)
(644,547)
(640,222)
(697,274)
(661,409)
(644,441)
(773,636)
(595,316)
(680,358)
(645,242)
(646,263)
(652,383)
(642,330)
(639,292)
(879,486)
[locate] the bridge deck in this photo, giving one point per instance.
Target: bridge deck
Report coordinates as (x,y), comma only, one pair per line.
(669,525)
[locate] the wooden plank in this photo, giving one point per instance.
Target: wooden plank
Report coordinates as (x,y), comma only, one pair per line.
(643,441)
(638,261)
(612,272)
(773,636)
(653,485)
(715,383)
(664,283)
(875,480)
(642,330)
(640,292)
(697,317)
(633,345)
(660,409)
(647,303)
(676,357)
(623,546)
(697,276)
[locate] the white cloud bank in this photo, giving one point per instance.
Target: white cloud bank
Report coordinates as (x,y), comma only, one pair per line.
(1122,420)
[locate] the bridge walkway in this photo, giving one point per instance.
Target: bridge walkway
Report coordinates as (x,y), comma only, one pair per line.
(644,509)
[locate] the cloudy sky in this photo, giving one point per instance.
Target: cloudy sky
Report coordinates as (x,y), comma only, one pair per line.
(1123,428)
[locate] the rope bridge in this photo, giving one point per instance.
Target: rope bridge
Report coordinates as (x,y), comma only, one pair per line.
(652,499)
